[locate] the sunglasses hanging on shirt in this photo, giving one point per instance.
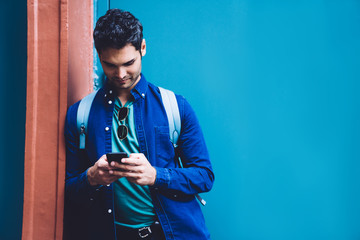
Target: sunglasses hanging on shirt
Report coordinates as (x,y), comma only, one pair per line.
(121,115)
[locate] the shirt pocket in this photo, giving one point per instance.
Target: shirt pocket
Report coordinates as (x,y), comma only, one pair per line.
(164,149)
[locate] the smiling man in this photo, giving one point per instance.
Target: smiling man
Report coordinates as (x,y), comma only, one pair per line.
(145,195)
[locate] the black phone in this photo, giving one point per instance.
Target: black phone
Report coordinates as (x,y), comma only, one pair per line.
(116,156)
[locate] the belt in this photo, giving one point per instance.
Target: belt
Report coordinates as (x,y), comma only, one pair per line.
(126,233)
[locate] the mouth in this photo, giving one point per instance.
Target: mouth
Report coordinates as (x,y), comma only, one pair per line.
(121,81)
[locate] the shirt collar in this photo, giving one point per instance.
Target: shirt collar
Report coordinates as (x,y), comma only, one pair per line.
(139,91)
(140,88)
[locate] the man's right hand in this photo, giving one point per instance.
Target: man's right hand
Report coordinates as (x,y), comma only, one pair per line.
(99,173)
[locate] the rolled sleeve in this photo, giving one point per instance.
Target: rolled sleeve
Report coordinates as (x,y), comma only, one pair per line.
(162,177)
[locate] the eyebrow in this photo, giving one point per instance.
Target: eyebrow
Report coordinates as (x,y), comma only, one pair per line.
(107,63)
(130,62)
(124,64)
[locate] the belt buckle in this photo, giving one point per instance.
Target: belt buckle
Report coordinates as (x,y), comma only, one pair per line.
(144,232)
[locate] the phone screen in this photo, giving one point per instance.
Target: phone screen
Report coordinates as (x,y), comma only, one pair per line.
(116,156)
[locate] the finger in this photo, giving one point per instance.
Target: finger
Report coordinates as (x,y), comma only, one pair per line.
(116,173)
(110,180)
(131,175)
(138,156)
(102,162)
(135,169)
(105,167)
(130,161)
(104,173)
(130,168)
(135,159)
(114,165)
(117,165)
(103,158)
(120,173)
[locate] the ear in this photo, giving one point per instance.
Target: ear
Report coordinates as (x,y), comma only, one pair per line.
(143,47)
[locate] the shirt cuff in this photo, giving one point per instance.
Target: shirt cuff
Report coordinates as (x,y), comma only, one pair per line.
(162,177)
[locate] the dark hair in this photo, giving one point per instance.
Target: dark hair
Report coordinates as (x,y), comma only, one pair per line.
(116,29)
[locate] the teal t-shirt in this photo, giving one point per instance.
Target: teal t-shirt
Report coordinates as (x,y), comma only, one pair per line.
(132,202)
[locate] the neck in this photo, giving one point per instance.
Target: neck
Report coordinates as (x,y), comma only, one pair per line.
(124,95)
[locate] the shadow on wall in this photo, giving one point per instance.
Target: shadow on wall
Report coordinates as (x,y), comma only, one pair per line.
(13,60)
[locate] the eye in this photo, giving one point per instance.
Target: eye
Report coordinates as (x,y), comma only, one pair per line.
(109,65)
(129,63)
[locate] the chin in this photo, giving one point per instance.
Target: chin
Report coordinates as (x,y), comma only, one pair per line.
(125,86)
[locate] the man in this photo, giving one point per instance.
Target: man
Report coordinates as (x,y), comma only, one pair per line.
(147,195)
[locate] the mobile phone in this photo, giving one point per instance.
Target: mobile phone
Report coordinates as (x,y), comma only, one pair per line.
(116,156)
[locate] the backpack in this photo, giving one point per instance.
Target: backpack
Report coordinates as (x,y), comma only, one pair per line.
(172,112)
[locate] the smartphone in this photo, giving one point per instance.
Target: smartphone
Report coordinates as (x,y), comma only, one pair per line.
(116,156)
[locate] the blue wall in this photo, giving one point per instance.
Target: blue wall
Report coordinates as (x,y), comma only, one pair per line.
(276,89)
(13,55)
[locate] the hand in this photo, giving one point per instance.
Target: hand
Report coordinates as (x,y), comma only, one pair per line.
(99,173)
(136,168)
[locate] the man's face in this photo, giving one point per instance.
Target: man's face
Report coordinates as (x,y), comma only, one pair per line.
(122,66)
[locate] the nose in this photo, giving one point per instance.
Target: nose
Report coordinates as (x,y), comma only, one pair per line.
(121,72)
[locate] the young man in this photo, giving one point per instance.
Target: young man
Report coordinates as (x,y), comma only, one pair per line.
(147,195)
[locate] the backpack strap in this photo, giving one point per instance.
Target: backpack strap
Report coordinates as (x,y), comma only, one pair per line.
(173,115)
(83,117)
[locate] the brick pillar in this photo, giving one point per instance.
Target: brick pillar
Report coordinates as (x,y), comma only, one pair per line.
(53,45)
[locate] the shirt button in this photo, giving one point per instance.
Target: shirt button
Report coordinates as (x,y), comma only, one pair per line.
(91,199)
(109,211)
(110,102)
(105,95)
(107,129)
(110,91)
(143,95)
(175,196)
(108,185)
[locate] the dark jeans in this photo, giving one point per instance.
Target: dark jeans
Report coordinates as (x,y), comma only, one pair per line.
(153,232)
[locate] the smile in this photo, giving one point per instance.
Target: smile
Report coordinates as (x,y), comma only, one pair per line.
(121,80)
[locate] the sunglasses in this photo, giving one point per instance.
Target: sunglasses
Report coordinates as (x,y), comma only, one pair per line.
(121,115)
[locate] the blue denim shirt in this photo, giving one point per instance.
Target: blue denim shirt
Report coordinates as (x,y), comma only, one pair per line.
(89,211)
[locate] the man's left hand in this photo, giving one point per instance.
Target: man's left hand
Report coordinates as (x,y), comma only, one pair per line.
(136,168)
